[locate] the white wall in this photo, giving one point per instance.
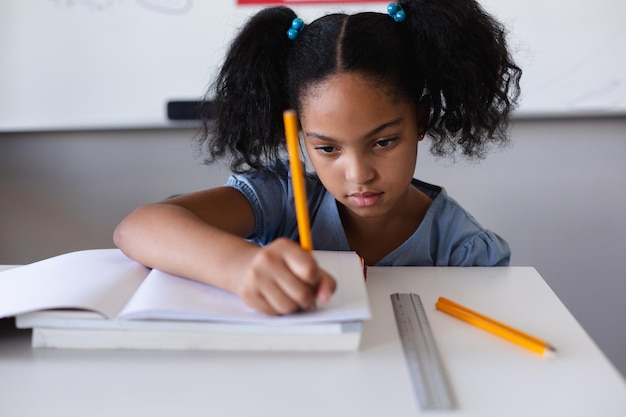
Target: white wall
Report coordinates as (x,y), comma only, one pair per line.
(170,50)
(557,195)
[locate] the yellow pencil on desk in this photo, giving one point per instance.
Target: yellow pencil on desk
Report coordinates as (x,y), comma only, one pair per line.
(290,119)
(507,332)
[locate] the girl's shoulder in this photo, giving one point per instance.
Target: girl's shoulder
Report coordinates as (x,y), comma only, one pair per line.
(274,181)
(445,210)
(458,238)
(431,190)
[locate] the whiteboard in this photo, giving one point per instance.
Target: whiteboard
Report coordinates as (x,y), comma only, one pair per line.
(114,64)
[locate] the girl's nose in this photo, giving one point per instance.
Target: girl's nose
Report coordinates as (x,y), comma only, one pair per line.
(359,170)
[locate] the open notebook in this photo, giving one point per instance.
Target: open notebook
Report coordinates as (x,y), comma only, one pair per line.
(102,299)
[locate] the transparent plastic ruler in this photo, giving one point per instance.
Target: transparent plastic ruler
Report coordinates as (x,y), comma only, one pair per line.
(430,382)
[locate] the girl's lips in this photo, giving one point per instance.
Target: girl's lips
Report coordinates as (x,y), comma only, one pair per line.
(365,199)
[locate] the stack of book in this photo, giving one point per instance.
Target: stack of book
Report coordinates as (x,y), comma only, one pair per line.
(100,299)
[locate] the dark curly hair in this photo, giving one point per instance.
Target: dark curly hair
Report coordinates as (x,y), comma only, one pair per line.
(450,50)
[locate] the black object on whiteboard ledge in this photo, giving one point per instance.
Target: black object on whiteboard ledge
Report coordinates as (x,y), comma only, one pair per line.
(189,109)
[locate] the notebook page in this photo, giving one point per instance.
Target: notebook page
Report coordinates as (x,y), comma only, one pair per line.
(102,280)
(165,296)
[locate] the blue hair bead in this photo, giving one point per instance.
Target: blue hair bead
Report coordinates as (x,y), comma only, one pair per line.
(400,16)
(396,12)
(297,25)
(292,34)
(392,8)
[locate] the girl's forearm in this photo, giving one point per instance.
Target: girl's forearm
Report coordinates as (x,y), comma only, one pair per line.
(173,239)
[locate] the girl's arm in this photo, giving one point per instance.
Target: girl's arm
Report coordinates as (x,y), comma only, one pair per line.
(200,236)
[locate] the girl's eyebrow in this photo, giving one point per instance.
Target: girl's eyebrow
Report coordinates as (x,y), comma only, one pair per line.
(371,133)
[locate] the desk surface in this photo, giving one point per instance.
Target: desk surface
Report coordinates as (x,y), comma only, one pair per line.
(490,376)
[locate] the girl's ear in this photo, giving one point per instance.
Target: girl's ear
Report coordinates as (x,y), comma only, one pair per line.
(423,116)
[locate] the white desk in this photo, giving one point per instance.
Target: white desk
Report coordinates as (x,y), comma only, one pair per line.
(490,376)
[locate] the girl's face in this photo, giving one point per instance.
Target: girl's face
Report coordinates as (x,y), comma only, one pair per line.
(362,143)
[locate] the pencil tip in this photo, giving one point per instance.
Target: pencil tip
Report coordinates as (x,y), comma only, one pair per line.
(550,351)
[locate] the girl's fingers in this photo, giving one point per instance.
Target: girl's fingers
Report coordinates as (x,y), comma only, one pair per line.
(300,293)
(283,278)
(326,287)
(300,262)
(280,302)
(269,299)
(261,304)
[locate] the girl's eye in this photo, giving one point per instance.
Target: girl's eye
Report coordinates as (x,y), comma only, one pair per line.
(326,149)
(384,143)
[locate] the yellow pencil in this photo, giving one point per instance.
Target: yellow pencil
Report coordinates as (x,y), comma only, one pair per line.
(297,178)
(495,327)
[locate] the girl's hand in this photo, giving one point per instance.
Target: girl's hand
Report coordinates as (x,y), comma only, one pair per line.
(283,278)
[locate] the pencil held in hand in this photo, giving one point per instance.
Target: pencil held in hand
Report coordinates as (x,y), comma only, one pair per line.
(297,178)
(495,327)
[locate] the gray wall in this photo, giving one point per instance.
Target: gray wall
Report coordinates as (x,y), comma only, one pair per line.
(557,195)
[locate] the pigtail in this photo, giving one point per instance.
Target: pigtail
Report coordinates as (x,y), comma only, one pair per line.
(470,77)
(248,96)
